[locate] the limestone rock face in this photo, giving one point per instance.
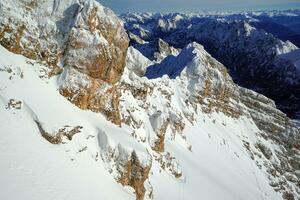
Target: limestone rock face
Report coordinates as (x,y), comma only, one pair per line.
(83,34)
(82,38)
(90,94)
(36,29)
(130,166)
(134,174)
(97,44)
(202,85)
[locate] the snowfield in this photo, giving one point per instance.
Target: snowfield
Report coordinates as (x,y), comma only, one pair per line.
(31,167)
(217,167)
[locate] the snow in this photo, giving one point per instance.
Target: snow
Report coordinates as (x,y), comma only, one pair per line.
(174,65)
(293,56)
(250,54)
(32,168)
(207,150)
(218,166)
(138,67)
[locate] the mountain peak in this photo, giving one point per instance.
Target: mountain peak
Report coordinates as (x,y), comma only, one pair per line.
(192,59)
(194,46)
(249,52)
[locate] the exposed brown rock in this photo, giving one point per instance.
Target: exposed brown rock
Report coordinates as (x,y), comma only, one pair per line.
(18,39)
(168,163)
(57,137)
(134,175)
(14,104)
(13,43)
(288,196)
(97,96)
(84,35)
(161,133)
(97,48)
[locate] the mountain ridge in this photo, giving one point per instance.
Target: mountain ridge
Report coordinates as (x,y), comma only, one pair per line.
(115,125)
(251,55)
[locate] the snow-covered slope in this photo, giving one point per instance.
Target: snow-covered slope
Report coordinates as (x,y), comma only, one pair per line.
(179,128)
(33,168)
(206,151)
(200,98)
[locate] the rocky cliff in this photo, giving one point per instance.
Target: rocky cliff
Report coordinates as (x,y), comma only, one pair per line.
(81,38)
(179,122)
(194,82)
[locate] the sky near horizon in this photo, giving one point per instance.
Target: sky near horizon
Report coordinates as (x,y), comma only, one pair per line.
(122,6)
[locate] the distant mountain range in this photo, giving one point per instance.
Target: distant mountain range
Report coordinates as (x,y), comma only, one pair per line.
(248,44)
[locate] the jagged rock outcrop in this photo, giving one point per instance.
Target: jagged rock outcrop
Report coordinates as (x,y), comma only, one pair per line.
(83,34)
(95,52)
(89,93)
(275,126)
(154,50)
(82,38)
(156,105)
(134,174)
(97,44)
(204,85)
(131,167)
(58,136)
(36,29)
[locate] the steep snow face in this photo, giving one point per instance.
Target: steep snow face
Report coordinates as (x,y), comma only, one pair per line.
(175,133)
(32,168)
(137,62)
(199,108)
(174,65)
(251,55)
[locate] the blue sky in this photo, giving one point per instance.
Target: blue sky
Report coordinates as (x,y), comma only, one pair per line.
(121,6)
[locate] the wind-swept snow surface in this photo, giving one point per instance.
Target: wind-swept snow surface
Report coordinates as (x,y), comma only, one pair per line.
(177,127)
(216,152)
(217,166)
(31,167)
